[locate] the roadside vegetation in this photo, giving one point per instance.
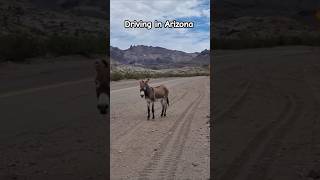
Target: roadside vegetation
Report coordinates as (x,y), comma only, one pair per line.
(18,47)
(118,75)
(247,42)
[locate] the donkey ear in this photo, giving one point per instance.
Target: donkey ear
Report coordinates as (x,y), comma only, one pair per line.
(105,63)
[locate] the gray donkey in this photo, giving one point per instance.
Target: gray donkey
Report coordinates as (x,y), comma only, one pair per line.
(102,85)
(152,94)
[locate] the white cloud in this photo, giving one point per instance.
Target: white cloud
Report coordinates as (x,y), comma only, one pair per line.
(150,10)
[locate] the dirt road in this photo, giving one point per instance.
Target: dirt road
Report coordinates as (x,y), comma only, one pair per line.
(176,146)
(50,126)
(266,113)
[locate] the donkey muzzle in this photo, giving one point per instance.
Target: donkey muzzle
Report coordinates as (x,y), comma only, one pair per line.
(103,109)
(142,94)
(103,103)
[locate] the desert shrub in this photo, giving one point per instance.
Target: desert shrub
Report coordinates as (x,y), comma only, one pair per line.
(116,76)
(248,42)
(138,75)
(18,47)
(71,44)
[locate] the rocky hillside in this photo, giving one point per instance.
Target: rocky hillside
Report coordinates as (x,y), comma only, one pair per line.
(257,23)
(52,17)
(158,57)
(93,8)
(38,28)
(289,8)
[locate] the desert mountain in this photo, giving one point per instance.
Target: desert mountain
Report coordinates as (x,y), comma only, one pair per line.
(158,57)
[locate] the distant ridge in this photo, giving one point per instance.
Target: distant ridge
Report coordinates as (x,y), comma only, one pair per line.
(158,57)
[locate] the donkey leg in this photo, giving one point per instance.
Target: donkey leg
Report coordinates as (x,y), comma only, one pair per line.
(162,108)
(152,110)
(165,109)
(148,110)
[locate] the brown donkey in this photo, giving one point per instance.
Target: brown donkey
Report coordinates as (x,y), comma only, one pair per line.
(102,85)
(152,94)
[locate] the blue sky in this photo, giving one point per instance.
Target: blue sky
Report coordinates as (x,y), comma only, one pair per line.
(187,39)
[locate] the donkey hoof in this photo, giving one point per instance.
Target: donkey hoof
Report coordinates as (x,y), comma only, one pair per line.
(152,117)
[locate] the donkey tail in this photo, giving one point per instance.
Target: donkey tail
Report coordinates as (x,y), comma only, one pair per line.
(168,101)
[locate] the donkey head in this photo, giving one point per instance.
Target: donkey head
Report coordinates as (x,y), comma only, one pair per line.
(143,87)
(102,85)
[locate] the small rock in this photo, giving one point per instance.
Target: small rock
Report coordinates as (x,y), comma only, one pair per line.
(195,164)
(155,149)
(119,151)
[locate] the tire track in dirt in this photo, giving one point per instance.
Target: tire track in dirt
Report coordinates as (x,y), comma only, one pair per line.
(266,158)
(167,157)
(263,141)
(136,126)
(238,100)
(171,161)
(308,78)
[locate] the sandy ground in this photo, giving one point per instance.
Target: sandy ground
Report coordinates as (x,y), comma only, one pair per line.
(174,147)
(50,127)
(266,114)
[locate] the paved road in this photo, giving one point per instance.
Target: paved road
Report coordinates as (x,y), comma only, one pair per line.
(176,146)
(266,113)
